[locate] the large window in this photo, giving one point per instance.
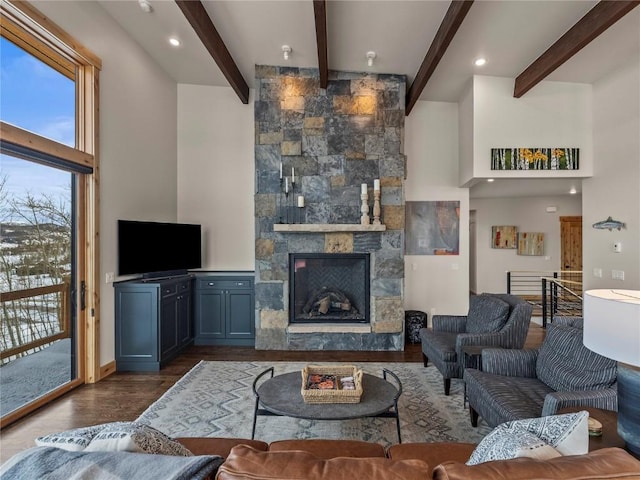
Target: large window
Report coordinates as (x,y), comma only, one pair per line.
(48,212)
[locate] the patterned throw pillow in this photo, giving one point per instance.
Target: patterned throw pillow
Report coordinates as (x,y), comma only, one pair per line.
(503,444)
(568,433)
(541,438)
(74,440)
(135,437)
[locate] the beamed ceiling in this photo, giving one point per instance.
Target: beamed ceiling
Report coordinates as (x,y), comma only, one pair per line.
(433,43)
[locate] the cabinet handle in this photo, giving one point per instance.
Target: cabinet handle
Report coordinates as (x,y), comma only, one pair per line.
(239,283)
(211,284)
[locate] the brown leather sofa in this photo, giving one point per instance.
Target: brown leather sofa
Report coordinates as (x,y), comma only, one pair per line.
(354,460)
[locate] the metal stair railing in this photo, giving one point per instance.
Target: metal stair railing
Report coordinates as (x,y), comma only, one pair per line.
(560,297)
(527,284)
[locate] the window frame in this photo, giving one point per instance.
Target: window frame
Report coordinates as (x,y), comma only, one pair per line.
(28,28)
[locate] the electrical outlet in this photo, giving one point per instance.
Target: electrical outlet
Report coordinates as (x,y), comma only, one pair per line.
(455,266)
(414,266)
(617,274)
(108,277)
(597,272)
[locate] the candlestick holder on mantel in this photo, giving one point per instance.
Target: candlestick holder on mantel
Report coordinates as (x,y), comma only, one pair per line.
(364,219)
(289,206)
(376,207)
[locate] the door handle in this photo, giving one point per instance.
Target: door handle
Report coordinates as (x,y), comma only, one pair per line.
(83,295)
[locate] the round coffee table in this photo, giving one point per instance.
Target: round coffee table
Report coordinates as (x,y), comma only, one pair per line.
(280,396)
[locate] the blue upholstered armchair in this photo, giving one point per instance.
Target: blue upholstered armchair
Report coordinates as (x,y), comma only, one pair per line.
(562,373)
(493,320)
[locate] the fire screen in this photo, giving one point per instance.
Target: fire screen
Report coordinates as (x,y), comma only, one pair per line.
(329,287)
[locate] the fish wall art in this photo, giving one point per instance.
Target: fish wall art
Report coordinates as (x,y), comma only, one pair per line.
(609,224)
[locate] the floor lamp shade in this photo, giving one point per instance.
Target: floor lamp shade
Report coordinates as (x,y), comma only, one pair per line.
(612,329)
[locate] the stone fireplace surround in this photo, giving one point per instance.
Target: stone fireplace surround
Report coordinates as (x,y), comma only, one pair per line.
(336,138)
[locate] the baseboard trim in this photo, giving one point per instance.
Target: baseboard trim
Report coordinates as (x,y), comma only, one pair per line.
(107,369)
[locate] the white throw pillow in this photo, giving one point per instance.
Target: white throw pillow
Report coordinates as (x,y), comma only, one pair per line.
(135,437)
(542,438)
(504,444)
(74,440)
(567,433)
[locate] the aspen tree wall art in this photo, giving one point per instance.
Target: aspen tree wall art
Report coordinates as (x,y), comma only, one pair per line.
(535,159)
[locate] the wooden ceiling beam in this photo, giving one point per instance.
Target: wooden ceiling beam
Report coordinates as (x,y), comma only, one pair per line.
(320,14)
(447,30)
(596,21)
(199,19)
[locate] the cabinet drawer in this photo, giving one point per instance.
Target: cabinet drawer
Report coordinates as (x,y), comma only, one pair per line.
(218,284)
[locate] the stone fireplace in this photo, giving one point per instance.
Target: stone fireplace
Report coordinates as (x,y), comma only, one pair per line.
(329,287)
(336,139)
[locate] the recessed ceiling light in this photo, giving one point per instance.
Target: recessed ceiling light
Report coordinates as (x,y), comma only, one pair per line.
(573,191)
(145,6)
(489,180)
(174,41)
(480,62)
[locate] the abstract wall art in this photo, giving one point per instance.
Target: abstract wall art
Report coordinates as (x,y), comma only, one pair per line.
(432,228)
(503,236)
(530,243)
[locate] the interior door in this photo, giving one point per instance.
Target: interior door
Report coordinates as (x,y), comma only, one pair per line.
(571,243)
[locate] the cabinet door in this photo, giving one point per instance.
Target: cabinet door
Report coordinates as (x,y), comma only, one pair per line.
(240,314)
(185,330)
(136,325)
(168,327)
(210,314)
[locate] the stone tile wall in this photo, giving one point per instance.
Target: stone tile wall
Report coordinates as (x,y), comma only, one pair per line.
(336,139)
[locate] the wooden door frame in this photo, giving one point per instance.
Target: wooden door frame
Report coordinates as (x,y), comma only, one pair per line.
(59,50)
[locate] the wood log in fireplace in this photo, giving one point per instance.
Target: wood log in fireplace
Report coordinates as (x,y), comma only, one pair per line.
(327,299)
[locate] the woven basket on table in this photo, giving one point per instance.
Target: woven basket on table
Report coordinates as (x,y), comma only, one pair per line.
(332,396)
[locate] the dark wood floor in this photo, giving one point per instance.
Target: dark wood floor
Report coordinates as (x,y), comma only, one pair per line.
(124,396)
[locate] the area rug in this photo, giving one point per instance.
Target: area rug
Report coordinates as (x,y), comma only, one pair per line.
(215,399)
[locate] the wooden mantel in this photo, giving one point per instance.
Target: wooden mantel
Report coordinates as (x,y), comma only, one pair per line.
(326,227)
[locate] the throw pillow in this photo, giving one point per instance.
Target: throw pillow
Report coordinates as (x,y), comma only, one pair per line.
(567,433)
(503,444)
(542,438)
(487,314)
(72,440)
(135,437)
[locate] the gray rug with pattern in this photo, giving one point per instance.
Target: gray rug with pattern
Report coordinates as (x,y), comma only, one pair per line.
(215,399)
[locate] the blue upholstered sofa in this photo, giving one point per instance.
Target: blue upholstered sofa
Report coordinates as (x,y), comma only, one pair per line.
(561,373)
(494,320)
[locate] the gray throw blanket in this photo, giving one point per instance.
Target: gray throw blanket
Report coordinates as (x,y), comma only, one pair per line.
(51,463)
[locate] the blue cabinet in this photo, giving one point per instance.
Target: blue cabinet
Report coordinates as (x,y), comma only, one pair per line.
(154,321)
(224,310)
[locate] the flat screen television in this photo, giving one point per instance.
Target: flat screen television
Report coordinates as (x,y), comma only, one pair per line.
(154,248)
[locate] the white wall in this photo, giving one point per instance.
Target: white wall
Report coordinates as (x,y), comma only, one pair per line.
(216,173)
(552,114)
(529,215)
(615,188)
(439,282)
(138,137)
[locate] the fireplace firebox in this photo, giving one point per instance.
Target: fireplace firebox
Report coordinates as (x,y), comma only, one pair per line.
(329,287)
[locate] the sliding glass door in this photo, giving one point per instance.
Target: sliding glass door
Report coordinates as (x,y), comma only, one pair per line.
(48,212)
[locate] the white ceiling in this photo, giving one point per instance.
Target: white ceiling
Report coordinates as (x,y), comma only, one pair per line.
(510,34)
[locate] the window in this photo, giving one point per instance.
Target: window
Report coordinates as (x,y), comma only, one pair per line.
(48,200)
